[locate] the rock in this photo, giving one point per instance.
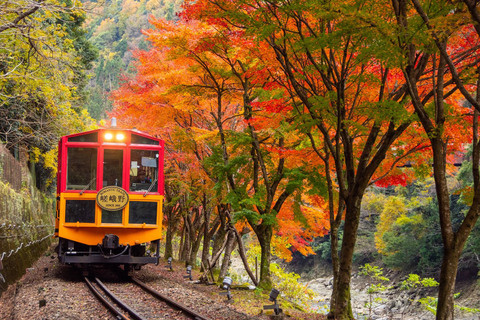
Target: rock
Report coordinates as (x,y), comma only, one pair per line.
(398,304)
(391,304)
(381,309)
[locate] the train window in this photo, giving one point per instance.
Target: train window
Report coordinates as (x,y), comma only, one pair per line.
(142,212)
(111,216)
(80,210)
(91,137)
(136,139)
(112,167)
(81,168)
(144,170)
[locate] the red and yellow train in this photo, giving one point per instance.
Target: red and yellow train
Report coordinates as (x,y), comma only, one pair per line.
(109,197)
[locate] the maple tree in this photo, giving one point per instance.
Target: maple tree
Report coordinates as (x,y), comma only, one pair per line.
(186,208)
(450,49)
(184,120)
(207,67)
(343,97)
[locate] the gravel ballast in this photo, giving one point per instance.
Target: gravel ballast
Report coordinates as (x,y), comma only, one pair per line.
(50,291)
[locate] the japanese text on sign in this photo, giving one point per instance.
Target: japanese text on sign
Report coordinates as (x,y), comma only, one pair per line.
(112,198)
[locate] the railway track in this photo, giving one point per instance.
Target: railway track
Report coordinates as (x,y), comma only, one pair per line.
(115,299)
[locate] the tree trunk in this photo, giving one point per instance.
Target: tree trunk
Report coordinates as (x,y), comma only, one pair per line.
(215,257)
(335,263)
(196,246)
(171,226)
(227,255)
(205,251)
(448,275)
(172,211)
(180,247)
(335,222)
(168,240)
(343,306)
(448,272)
(207,236)
(186,242)
(454,243)
(195,224)
(220,235)
(264,234)
(241,250)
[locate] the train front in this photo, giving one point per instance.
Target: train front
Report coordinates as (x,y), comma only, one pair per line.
(109,198)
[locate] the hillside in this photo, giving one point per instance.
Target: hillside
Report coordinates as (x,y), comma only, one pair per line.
(115,29)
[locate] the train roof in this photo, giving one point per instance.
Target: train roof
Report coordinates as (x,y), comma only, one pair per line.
(93,134)
(134,131)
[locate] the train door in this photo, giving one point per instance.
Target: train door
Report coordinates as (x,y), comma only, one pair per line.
(113,161)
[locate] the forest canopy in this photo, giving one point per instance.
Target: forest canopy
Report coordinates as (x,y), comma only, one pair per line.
(287,109)
(281,119)
(44,56)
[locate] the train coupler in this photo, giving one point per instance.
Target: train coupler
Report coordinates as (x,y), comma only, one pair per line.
(110,241)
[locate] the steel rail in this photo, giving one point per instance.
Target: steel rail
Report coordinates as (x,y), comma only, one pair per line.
(188,312)
(107,303)
(115,299)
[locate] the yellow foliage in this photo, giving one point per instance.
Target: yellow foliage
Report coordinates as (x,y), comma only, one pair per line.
(287,282)
(206,135)
(35,154)
(403,219)
(105,25)
(374,202)
(50,160)
(394,208)
(280,248)
(129,6)
(153,4)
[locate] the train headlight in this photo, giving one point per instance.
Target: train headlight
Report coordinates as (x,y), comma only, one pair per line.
(108,136)
(120,136)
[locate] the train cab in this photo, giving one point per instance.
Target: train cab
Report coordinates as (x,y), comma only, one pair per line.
(109,197)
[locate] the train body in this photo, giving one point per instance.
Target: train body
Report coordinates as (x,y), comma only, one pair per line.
(109,198)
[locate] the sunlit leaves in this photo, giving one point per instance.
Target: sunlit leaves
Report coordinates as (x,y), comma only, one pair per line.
(43,59)
(394,208)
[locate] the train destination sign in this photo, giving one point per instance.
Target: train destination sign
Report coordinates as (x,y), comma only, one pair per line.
(112,198)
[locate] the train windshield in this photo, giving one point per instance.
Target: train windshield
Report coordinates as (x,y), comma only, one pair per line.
(112,167)
(81,168)
(144,170)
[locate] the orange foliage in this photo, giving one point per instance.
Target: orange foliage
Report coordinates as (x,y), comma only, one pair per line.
(179,82)
(296,234)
